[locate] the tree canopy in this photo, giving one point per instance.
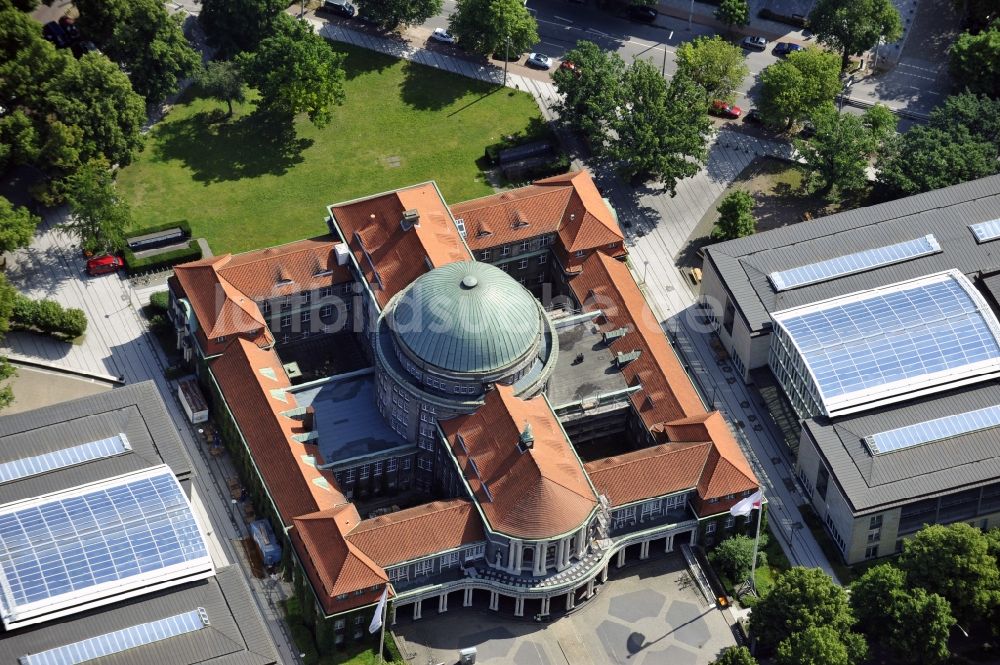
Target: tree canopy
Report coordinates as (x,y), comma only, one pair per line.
(838,154)
(920,624)
(392,13)
(854,27)
(735,656)
(975,61)
(798,86)
(955,562)
(296,71)
(99,216)
(872,596)
(482,26)
(714,64)
(733,12)
(234,26)
(590,93)
(17,226)
(821,645)
(222,80)
(800,598)
(735,221)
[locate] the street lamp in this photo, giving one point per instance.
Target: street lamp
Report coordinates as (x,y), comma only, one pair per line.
(847,87)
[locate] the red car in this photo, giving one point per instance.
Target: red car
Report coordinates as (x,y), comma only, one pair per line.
(724,110)
(101,265)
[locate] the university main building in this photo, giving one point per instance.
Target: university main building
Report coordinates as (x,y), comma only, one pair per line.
(472,404)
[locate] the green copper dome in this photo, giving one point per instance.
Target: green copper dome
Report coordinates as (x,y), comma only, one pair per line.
(467,317)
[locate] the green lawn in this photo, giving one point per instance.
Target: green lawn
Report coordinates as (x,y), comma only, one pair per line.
(243,183)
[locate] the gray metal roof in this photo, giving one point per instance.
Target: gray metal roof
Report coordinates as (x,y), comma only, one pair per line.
(136,410)
(235,635)
(878,482)
(467,316)
(744,264)
(595,374)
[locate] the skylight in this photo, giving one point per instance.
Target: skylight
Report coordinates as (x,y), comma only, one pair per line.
(58,459)
(933,430)
(986,231)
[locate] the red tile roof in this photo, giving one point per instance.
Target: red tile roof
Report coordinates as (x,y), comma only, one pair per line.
(253,384)
(587,221)
(667,394)
(650,472)
(727,470)
(373,225)
(297,266)
(418,532)
(540,493)
(220,308)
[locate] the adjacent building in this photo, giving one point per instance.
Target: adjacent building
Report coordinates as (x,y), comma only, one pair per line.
(103,552)
(879,326)
(520,424)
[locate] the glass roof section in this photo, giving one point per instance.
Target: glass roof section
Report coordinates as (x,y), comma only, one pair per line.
(58,459)
(849,264)
(933,430)
(119,640)
(887,344)
(986,231)
(96,544)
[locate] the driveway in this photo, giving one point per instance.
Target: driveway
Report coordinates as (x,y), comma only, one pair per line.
(647,614)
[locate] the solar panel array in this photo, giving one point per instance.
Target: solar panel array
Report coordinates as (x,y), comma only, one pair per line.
(123,532)
(120,640)
(934,430)
(986,231)
(849,264)
(889,336)
(85,452)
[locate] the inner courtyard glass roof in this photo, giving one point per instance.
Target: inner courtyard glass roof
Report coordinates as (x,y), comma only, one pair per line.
(883,345)
(97,543)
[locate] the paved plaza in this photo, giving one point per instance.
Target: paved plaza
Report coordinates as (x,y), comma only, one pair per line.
(647,614)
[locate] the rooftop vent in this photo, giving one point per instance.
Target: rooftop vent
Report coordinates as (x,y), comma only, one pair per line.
(623,359)
(526,441)
(612,335)
(460,223)
(410,219)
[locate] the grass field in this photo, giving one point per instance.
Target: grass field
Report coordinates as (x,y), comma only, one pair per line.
(243,183)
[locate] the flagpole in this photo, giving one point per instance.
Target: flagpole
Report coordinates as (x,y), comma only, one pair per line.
(385,612)
(756,543)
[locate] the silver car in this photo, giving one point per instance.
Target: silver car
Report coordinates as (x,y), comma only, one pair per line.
(539,60)
(443,36)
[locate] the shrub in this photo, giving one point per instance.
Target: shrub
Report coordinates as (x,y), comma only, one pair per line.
(47,316)
(182,224)
(160,301)
(190,253)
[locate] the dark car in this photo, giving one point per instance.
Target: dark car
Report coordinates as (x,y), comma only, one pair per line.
(784,48)
(754,43)
(753,117)
(340,8)
(69,27)
(642,13)
(808,130)
(54,32)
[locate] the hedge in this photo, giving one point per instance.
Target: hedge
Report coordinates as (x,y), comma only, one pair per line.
(182,224)
(47,316)
(165,260)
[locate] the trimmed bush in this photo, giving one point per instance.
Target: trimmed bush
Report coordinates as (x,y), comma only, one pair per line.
(182,224)
(165,260)
(160,301)
(48,317)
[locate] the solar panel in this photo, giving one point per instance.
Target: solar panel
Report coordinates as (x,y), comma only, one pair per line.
(914,335)
(854,263)
(58,459)
(120,640)
(933,430)
(986,231)
(96,543)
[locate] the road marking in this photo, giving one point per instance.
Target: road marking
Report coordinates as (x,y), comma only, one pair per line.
(598,32)
(563,19)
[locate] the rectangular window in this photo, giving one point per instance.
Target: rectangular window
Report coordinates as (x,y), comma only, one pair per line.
(306,315)
(365,470)
(504,267)
(449,560)
(326,292)
(406,464)
(338,624)
(505,251)
(485,255)
(286,306)
(871,551)
(391,465)
(524,263)
(378,468)
(425,464)
(525,245)
(730,521)
(265,307)
(286,321)
(358,620)
(306,296)
(875,522)
(476,552)
(729,317)
(822,481)
(220,340)
(425,567)
(542,258)
(349,476)
(710,527)
(579,254)
(326,311)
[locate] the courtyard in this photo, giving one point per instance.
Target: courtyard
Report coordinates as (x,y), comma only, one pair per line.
(246,182)
(648,613)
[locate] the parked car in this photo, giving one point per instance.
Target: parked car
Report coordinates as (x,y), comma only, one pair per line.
(754,43)
(539,61)
(808,130)
(101,265)
(753,117)
(642,13)
(340,8)
(69,27)
(443,36)
(784,48)
(569,66)
(724,110)
(54,32)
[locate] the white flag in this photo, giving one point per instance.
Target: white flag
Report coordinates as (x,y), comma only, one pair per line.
(746,506)
(377,619)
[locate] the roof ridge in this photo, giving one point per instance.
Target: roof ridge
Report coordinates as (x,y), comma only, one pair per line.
(458,503)
(531,193)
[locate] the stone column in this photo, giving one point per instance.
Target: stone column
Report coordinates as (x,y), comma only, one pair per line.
(571,600)
(694,537)
(644,550)
(442,603)
(467,600)
(604,574)
(621,557)
(670,543)
(392,614)
(541,553)
(561,551)
(590,588)
(519,606)
(416,609)
(494,601)
(545,606)
(581,543)
(514,565)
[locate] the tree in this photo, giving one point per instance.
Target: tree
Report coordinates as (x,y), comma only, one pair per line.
(100,216)
(800,598)
(235,26)
(919,626)
(873,595)
(481,26)
(735,221)
(798,86)
(733,12)
(854,27)
(977,13)
(735,656)
(145,39)
(659,131)
(17,226)
(975,61)
(838,155)
(979,114)
(821,645)
(591,91)
(222,80)
(714,64)
(954,561)
(19,139)
(296,71)
(392,13)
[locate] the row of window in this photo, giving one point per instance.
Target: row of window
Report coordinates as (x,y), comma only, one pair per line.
(523,246)
(445,561)
(305,297)
(375,468)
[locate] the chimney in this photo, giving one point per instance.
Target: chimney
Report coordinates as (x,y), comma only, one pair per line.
(526,441)
(309,418)
(410,219)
